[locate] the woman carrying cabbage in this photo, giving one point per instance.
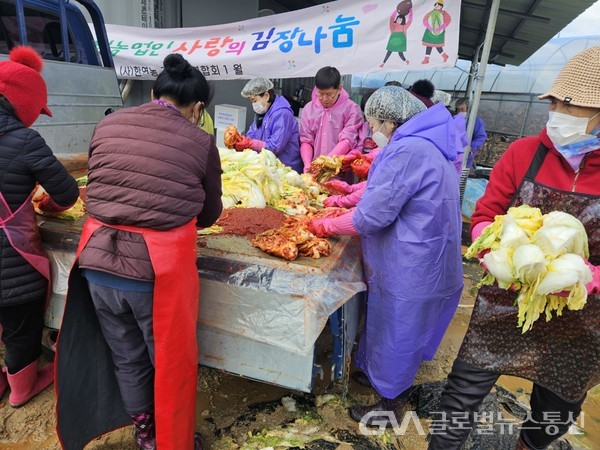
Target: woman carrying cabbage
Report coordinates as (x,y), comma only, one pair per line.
(558,170)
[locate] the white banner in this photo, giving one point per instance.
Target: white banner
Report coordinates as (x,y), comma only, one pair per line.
(354,36)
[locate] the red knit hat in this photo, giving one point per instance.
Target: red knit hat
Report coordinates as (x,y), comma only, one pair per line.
(23,86)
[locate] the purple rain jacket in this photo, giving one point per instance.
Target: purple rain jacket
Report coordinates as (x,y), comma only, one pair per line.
(409,221)
(280,133)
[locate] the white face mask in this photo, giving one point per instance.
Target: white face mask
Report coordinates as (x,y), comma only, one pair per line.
(259,108)
(380,139)
(564,129)
(463,113)
(569,136)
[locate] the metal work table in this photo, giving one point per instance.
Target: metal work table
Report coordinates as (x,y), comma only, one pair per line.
(259,316)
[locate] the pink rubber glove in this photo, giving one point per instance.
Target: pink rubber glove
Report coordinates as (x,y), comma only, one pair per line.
(50,206)
(478,229)
(243,144)
(306,153)
(475,233)
(341,148)
(333,200)
(257,145)
(338,186)
(593,287)
(341,225)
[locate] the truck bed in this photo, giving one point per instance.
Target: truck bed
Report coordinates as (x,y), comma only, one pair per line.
(256,311)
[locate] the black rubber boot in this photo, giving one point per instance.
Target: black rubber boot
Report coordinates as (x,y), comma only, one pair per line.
(467,387)
(361,378)
(385,406)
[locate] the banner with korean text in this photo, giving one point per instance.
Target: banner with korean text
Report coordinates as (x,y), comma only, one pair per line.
(352,35)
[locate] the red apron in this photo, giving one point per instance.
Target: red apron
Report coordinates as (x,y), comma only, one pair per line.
(22,232)
(88,399)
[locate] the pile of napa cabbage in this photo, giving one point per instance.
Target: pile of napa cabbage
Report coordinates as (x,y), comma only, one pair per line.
(255,180)
(539,256)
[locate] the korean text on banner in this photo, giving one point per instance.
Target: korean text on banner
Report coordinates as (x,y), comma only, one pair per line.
(354,36)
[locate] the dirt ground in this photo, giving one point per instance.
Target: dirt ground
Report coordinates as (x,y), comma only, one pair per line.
(237,413)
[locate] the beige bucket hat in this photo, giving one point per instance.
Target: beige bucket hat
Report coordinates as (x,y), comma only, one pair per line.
(578,83)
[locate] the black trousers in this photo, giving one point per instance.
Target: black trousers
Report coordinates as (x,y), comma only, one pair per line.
(550,418)
(22,333)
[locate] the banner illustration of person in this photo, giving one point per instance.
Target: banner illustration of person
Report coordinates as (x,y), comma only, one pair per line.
(436,22)
(399,24)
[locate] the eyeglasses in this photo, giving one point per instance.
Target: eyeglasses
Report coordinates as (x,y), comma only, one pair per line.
(327,95)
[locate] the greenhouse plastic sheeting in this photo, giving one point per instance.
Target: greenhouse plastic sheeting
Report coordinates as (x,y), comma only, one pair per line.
(473,191)
(276,302)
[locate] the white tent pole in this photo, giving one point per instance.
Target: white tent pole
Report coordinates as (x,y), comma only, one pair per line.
(485,55)
(472,73)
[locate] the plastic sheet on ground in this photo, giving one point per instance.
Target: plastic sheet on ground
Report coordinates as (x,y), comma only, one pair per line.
(280,303)
(473,191)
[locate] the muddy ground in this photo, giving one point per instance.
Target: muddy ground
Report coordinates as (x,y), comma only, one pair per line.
(237,413)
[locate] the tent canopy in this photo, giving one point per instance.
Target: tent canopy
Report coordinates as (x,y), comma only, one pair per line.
(523,26)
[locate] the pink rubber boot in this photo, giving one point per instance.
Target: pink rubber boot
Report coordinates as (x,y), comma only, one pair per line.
(29,382)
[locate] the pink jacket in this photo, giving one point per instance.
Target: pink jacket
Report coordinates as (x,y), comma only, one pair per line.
(323,128)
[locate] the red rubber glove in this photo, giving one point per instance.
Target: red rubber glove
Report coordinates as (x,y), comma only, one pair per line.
(349,159)
(317,227)
(361,167)
(50,206)
(338,186)
(243,144)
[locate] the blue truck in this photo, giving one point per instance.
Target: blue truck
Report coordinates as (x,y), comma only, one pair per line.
(259,316)
(79,73)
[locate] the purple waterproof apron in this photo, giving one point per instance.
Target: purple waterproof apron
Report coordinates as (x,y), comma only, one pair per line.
(562,355)
(22,232)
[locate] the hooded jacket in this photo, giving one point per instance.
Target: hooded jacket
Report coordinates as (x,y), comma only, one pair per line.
(25,160)
(410,226)
(150,168)
(555,172)
(279,131)
(323,128)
